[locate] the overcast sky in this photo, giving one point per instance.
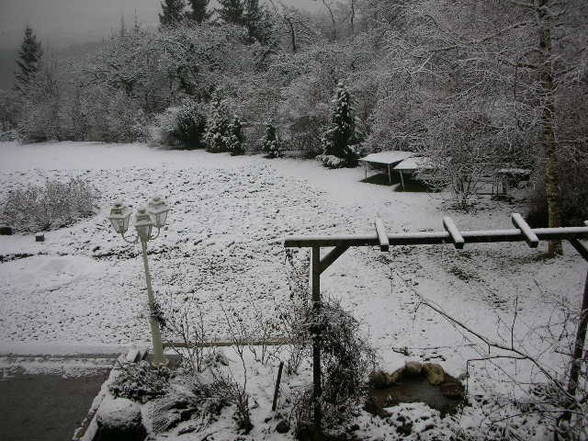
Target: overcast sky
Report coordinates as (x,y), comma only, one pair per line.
(59,23)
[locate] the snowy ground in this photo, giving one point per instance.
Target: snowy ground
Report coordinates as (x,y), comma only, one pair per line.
(83,287)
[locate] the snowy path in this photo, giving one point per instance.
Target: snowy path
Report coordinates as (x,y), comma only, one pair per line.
(223,246)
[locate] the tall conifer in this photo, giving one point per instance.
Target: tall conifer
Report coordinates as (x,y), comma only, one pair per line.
(28,61)
(172,13)
(199,12)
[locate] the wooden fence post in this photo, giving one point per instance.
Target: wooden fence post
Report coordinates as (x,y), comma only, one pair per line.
(316,338)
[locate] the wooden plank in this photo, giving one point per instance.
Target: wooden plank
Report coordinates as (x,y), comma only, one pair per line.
(333,255)
(530,237)
(438,237)
(382,236)
(456,236)
(227,343)
(580,248)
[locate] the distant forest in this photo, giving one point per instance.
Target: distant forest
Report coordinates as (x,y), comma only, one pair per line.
(502,82)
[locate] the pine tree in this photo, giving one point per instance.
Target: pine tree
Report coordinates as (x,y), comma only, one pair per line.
(340,134)
(136,24)
(271,144)
(231,11)
(172,13)
(217,128)
(247,13)
(29,61)
(236,140)
(199,12)
(258,22)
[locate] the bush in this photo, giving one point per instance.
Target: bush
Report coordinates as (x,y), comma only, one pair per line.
(271,143)
(140,382)
(217,127)
(181,126)
(54,205)
(235,139)
(346,357)
(346,360)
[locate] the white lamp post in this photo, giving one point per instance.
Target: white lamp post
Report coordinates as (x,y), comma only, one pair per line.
(154,215)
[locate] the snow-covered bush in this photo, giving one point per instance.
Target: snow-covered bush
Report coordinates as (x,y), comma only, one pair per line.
(181,126)
(346,360)
(217,127)
(235,139)
(271,143)
(54,205)
(140,381)
(113,116)
(340,135)
(192,398)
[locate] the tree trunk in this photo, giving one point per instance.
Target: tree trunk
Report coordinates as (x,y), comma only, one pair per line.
(552,182)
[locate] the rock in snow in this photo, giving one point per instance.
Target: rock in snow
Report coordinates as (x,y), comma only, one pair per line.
(118,419)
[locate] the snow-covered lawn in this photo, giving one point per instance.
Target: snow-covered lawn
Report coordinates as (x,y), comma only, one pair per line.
(223,245)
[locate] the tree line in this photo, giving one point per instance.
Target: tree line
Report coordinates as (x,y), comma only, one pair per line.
(471,84)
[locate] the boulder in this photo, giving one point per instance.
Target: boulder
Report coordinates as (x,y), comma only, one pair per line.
(453,390)
(283,427)
(413,368)
(119,419)
(5,230)
(434,373)
(382,379)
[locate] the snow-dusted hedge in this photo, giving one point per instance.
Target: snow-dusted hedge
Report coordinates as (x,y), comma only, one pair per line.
(181,126)
(54,205)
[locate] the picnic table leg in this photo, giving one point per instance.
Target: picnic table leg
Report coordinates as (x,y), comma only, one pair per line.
(365,167)
(389,175)
(401,179)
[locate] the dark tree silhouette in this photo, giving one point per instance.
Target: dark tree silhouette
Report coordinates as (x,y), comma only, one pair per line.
(172,12)
(28,61)
(199,12)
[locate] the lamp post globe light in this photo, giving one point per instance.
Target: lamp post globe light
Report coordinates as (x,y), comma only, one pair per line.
(154,215)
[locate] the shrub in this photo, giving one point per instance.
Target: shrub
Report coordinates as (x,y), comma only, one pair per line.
(181,126)
(339,136)
(217,127)
(235,139)
(140,381)
(271,143)
(54,205)
(346,361)
(306,136)
(346,357)
(192,399)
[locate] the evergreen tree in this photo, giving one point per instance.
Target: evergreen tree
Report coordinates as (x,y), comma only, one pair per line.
(231,11)
(236,140)
(217,128)
(136,24)
(271,144)
(258,22)
(172,12)
(340,134)
(250,14)
(199,12)
(28,61)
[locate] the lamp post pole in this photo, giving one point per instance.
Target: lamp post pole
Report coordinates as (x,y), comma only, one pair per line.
(154,215)
(158,358)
